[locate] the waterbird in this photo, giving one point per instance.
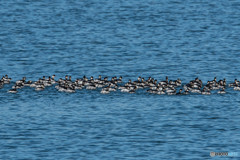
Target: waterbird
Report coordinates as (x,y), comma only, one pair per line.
(205,92)
(222,91)
(151,85)
(14,90)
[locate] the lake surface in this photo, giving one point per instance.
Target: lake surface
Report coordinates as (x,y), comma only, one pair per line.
(178,39)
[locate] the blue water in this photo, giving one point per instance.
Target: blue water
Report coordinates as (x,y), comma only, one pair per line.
(178,39)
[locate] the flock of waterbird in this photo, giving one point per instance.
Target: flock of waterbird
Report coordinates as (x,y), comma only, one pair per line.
(151,85)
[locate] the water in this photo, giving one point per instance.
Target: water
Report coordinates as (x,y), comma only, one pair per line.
(179,39)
